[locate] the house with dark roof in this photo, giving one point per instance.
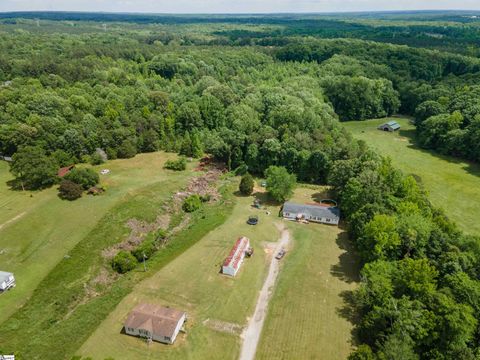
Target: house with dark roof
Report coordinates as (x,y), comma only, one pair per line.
(390,126)
(315,213)
(155,323)
(7,281)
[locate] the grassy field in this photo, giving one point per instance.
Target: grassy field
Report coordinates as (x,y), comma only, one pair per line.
(193,283)
(39,229)
(308,316)
(312,305)
(453,185)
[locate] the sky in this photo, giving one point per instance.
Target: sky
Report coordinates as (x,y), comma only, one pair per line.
(234,6)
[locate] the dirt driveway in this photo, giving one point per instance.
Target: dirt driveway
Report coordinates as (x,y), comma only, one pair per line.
(251,334)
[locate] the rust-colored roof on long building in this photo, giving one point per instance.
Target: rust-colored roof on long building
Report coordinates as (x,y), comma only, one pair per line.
(236,252)
(158,320)
(65,170)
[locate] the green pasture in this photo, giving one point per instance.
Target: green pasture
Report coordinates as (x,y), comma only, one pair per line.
(452,184)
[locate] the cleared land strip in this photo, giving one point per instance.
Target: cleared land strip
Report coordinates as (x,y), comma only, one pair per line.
(251,335)
(12,220)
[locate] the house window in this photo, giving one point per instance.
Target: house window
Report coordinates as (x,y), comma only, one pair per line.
(168,338)
(328,220)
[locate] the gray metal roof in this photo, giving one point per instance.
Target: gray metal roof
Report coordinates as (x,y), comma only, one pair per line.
(332,212)
(392,124)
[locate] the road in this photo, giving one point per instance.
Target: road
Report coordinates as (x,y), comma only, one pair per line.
(252,332)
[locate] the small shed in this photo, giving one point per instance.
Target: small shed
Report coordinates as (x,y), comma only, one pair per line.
(390,126)
(65,170)
(7,281)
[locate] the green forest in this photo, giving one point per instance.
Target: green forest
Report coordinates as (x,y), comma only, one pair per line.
(256,92)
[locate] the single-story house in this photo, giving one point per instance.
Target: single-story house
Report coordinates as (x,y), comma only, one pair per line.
(390,126)
(314,213)
(155,322)
(65,170)
(232,263)
(7,281)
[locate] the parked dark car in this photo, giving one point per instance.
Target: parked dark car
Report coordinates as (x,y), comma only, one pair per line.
(280,254)
(252,220)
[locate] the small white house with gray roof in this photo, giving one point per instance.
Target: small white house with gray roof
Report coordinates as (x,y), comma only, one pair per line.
(7,281)
(390,126)
(314,213)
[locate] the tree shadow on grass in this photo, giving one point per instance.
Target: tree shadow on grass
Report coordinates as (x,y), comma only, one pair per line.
(348,270)
(469,166)
(324,195)
(350,311)
(348,267)
(265,199)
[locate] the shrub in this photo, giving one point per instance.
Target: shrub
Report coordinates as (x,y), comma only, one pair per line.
(96,159)
(127,150)
(241,170)
(69,190)
(246,185)
(84,177)
(205,198)
(124,262)
(192,203)
(177,165)
(147,247)
(161,235)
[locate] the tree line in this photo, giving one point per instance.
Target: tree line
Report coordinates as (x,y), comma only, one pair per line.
(274,112)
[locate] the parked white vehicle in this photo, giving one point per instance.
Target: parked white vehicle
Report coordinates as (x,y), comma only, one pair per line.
(7,281)
(105,171)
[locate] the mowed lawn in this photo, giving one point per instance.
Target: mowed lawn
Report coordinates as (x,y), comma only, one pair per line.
(37,229)
(192,283)
(453,185)
(309,315)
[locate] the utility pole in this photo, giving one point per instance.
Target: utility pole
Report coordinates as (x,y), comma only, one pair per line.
(144,264)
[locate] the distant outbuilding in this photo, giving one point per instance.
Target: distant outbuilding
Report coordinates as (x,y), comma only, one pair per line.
(155,323)
(7,281)
(314,213)
(390,126)
(65,170)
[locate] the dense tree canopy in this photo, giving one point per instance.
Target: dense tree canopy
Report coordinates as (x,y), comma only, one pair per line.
(271,109)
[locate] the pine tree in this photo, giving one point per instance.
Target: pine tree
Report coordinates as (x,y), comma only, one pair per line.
(186,148)
(197,148)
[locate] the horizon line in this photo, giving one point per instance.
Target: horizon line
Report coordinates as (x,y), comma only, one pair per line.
(239,13)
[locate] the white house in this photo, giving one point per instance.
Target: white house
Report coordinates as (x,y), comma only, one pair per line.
(7,281)
(314,213)
(155,322)
(234,260)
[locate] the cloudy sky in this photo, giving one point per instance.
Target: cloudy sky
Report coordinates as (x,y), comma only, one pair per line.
(234,6)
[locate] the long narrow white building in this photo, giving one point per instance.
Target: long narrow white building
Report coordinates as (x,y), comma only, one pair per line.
(234,260)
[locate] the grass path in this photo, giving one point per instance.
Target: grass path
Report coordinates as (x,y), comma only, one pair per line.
(38,229)
(453,184)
